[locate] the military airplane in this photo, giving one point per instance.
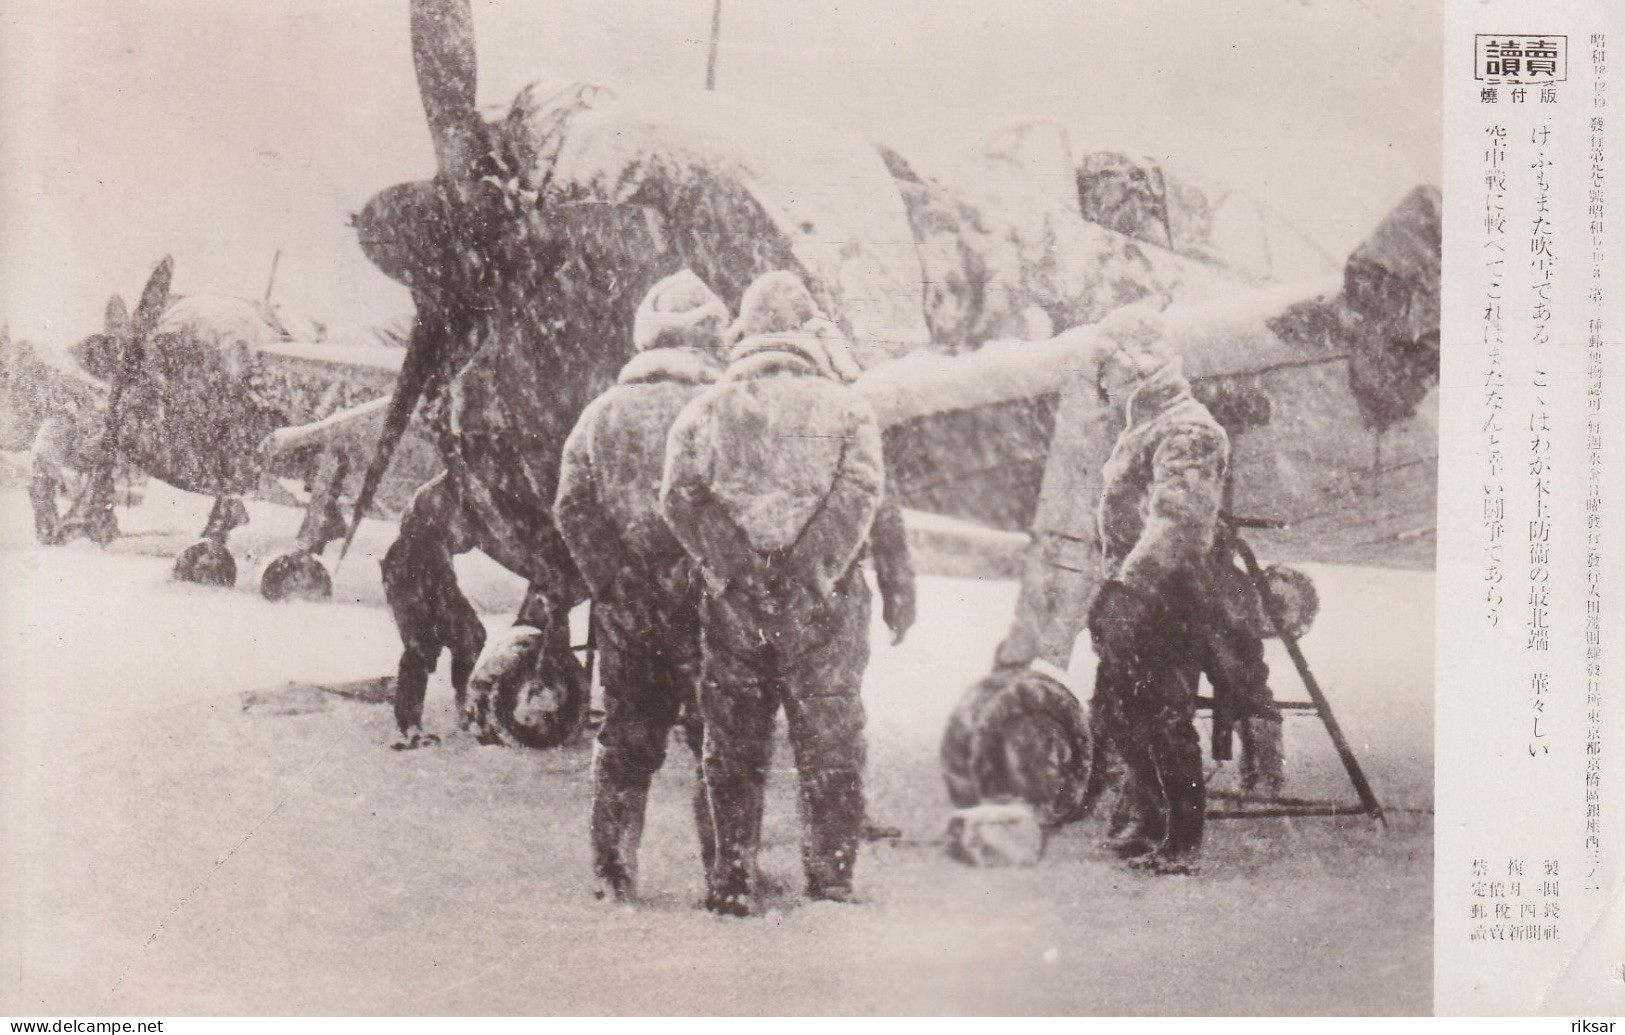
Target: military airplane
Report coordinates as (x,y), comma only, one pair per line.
(529,249)
(187,389)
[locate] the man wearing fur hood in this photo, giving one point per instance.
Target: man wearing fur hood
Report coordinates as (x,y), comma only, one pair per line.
(1158,518)
(644,588)
(773,480)
(779,304)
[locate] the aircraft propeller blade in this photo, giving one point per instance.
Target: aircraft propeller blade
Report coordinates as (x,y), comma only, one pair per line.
(154,299)
(132,350)
(443,54)
(95,503)
(421,352)
(115,318)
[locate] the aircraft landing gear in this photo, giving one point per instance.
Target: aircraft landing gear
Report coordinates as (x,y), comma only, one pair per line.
(530,688)
(299,573)
(207,562)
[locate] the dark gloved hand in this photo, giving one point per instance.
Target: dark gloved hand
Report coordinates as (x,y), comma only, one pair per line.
(747,588)
(795,593)
(897,609)
(632,582)
(1122,624)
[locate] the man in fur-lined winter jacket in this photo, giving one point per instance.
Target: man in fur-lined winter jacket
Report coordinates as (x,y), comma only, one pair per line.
(773,481)
(778,303)
(1158,517)
(644,588)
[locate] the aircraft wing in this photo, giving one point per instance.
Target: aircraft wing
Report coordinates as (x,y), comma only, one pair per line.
(377,363)
(314,377)
(967,437)
(353,432)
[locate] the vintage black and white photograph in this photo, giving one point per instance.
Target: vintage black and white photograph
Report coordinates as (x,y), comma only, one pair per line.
(718,507)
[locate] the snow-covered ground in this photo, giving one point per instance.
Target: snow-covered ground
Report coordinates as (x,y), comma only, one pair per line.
(196,824)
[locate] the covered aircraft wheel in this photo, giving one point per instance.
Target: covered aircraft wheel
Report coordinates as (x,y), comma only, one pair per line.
(206,563)
(549,708)
(541,695)
(1019,735)
(296,575)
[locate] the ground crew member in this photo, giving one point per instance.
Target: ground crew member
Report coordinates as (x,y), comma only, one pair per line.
(773,480)
(1232,640)
(429,609)
(1232,658)
(778,303)
(1163,488)
(644,588)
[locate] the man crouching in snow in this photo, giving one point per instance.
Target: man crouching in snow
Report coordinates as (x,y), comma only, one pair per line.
(645,592)
(773,480)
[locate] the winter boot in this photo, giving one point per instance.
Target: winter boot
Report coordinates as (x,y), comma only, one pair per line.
(736,794)
(1165,865)
(411,684)
(729,894)
(1138,824)
(728,886)
(43,488)
(618,806)
(1131,844)
(832,801)
(703,827)
(1178,756)
(1263,757)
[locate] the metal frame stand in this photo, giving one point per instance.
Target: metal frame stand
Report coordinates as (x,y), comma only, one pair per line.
(1317,703)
